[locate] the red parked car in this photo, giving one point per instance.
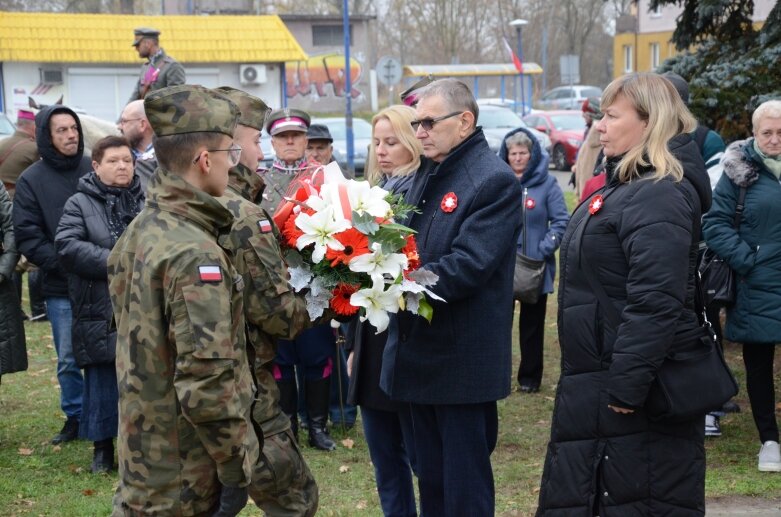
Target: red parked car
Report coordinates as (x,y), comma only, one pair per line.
(565,129)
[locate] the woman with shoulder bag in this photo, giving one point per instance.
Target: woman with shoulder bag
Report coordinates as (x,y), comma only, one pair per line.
(635,240)
(753,251)
(545,217)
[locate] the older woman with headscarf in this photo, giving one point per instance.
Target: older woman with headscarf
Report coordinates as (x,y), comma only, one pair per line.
(753,251)
(545,217)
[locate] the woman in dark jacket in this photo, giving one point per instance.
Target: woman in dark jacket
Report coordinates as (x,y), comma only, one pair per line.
(545,219)
(105,202)
(754,252)
(13,349)
(637,239)
(394,156)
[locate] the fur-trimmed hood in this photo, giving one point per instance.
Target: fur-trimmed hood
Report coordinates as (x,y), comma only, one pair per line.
(740,163)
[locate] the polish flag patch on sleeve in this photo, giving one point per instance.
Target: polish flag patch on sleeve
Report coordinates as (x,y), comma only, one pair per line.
(210,274)
(264,225)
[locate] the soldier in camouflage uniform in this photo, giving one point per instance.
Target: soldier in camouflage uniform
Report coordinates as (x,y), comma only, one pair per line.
(186,445)
(160,70)
(282,484)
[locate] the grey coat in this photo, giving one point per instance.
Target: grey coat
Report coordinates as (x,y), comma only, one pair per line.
(13,350)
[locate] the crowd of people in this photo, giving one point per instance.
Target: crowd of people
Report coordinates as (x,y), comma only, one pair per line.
(178,334)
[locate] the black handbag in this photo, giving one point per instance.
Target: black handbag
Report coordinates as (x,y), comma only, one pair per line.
(528,274)
(716,277)
(693,379)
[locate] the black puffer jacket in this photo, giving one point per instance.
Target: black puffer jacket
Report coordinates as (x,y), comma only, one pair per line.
(83,244)
(41,193)
(642,242)
(13,350)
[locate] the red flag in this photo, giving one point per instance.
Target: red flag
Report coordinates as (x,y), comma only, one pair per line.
(515,58)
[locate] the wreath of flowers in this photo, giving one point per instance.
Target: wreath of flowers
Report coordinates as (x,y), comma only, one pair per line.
(345,251)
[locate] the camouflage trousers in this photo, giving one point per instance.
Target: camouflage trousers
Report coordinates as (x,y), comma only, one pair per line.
(282,484)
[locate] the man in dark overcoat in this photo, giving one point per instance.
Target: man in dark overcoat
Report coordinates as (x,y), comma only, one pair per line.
(454,369)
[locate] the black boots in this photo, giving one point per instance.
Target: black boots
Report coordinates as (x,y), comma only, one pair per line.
(103,456)
(288,402)
(69,432)
(318,395)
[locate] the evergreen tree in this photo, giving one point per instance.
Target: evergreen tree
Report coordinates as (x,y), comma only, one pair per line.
(731,68)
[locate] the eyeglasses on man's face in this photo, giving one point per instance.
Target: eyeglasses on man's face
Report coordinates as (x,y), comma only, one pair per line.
(428,123)
(234,154)
(124,121)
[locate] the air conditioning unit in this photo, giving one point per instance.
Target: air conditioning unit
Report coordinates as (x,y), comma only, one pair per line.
(51,76)
(252,74)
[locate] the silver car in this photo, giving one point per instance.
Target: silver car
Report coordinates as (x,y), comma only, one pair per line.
(567,98)
(362,139)
(497,122)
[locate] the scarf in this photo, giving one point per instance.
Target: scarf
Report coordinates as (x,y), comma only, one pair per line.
(772,163)
(122,205)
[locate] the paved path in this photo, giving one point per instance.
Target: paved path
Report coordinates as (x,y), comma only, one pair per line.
(740,506)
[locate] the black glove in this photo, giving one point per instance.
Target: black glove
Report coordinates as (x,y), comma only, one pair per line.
(232,501)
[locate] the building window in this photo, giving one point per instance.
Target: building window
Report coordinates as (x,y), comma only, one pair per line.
(628,59)
(654,56)
(329,35)
(656,12)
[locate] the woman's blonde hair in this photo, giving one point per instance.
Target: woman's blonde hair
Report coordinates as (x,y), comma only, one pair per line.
(657,103)
(400,117)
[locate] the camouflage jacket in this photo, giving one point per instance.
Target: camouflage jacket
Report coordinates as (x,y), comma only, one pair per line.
(171,73)
(185,388)
(271,308)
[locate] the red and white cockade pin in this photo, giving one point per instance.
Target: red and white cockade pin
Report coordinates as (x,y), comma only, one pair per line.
(210,274)
(449,202)
(530,203)
(595,205)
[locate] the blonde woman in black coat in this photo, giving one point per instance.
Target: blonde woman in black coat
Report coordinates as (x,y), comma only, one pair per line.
(636,240)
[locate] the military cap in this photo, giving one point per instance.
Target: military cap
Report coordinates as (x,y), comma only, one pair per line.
(186,108)
(253,110)
(319,132)
(144,32)
(287,119)
(409,96)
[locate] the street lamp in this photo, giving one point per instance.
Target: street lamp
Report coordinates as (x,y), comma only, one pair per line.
(518,24)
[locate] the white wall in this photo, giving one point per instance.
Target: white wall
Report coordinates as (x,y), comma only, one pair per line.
(102,91)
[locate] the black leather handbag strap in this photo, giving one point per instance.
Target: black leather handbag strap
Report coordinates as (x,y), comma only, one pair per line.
(739,207)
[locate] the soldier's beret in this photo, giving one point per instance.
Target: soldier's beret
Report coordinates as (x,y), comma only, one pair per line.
(253,110)
(144,32)
(186,108)
(287,119)
(319,132)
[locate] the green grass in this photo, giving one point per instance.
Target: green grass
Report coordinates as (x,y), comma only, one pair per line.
(55,481)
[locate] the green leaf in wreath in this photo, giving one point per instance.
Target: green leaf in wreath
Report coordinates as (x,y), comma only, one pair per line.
(425,309)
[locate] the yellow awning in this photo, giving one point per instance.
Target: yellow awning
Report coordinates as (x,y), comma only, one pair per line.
(469,70)
(106,38)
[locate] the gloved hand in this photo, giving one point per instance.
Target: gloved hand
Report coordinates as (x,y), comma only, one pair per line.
(232,501)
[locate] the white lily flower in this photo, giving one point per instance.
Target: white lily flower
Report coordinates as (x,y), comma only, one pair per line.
(319,228)
(364,198)
(378,302)
(378,263)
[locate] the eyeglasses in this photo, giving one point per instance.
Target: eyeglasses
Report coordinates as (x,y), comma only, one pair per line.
(428,123)
(123,121)
(234,154)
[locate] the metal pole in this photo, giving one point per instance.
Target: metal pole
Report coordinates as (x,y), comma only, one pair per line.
(348,87)
(520,56)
